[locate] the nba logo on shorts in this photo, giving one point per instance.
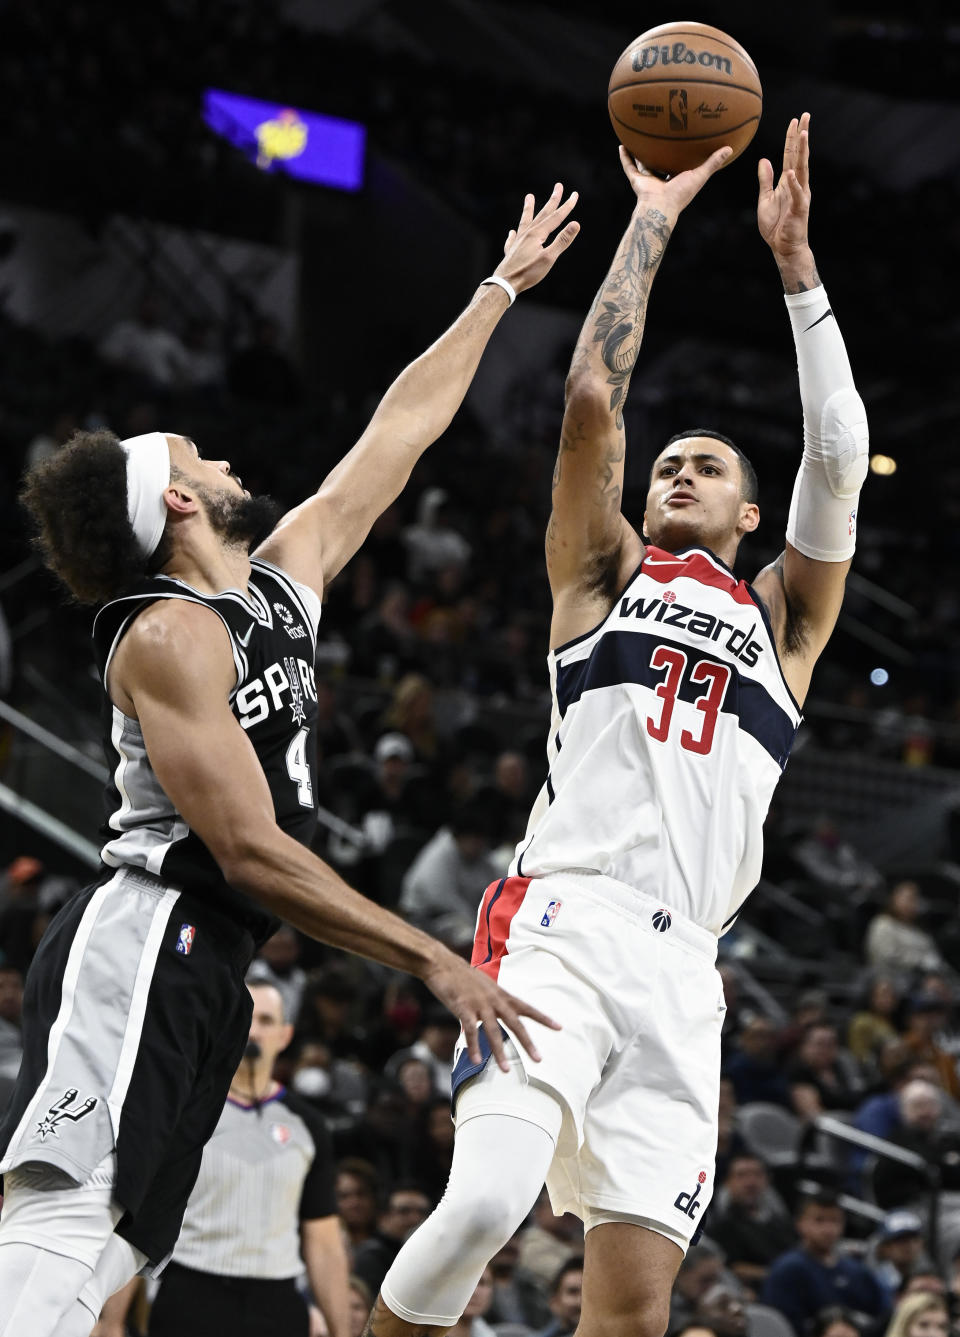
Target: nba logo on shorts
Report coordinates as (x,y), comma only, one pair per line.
(661,920)
(185,940)
(550,914)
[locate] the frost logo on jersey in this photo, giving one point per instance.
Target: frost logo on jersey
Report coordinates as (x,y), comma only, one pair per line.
(185,939)
(291,683)
(662,919)
(672,614)
(63,1111)
(296,633)
(687,1202)
(550,913)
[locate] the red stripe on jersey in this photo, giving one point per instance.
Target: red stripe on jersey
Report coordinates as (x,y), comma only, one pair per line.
(500,903)
(695,566)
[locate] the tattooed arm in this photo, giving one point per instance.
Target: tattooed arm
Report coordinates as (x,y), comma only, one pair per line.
(589,545)
(316,539)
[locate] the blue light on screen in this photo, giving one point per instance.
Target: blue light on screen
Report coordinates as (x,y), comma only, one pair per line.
(278,138)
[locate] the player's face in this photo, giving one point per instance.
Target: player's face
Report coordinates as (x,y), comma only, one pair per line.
(695,497)
(214,476)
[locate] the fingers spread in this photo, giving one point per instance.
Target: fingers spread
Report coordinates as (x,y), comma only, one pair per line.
(520,1031)
(765,175)
(527,214)
(470,1035)
(495,1035)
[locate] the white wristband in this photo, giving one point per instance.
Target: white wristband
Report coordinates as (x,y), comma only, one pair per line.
(508,288)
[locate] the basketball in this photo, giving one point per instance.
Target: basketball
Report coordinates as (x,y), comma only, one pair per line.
(681,91)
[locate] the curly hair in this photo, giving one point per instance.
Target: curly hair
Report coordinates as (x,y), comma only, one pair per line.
(77,501)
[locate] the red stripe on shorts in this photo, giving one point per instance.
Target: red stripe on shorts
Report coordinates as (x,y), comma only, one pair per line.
(500,903)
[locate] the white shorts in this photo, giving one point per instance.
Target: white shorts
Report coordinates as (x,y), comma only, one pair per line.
(636,1066)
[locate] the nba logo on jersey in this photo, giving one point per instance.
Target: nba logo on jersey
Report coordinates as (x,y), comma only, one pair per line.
(550,914)
(662,920)
(185,940)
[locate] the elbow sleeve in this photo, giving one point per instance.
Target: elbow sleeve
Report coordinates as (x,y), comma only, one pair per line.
(823,511)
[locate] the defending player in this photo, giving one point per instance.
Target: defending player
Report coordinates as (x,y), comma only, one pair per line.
(676,699)
(136,1012)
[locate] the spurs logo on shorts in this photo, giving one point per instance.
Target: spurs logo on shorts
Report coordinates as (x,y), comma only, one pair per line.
(62,1112)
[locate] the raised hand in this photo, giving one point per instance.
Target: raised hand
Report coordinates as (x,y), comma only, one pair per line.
(474,998)
(672,196)
(527,257)
(783,211)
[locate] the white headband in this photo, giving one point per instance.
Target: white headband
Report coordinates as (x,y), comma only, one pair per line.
(148,476)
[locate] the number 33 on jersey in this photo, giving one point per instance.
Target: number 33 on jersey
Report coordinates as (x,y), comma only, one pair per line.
(670,718)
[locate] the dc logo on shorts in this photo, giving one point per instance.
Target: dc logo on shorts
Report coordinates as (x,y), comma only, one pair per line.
(662,920)
(185,940)
(550,914)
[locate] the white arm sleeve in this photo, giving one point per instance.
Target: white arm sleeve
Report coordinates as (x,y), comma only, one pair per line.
(823,511)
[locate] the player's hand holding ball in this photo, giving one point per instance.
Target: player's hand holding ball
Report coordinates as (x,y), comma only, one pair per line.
(671,197)
(528,254)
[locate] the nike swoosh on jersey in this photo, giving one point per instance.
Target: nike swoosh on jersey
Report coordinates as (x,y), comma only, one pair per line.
(245,640)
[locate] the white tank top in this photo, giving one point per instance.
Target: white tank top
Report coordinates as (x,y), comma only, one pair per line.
(671,726)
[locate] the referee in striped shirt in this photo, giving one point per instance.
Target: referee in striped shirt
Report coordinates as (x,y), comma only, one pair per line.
(263,1201)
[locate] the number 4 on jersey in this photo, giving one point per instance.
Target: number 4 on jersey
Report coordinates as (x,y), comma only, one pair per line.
(704,671)
(298,768)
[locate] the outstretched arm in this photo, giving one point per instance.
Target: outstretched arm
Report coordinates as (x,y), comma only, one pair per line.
(315,540)
(587,535)
(804,587)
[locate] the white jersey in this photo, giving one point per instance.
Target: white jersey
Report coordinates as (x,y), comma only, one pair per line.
(671,726)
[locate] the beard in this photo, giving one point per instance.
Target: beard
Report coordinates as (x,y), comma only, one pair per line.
(239,521)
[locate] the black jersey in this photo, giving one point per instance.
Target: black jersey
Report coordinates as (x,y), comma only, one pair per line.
(272,631)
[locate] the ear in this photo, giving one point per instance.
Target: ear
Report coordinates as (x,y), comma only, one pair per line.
(286,1034)
(179,499)
(749,517)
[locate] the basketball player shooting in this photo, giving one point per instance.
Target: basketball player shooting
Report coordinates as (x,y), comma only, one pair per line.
(136,1013)
(677,692)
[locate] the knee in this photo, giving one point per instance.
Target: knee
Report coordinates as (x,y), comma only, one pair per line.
(485,1221)
(641,1316)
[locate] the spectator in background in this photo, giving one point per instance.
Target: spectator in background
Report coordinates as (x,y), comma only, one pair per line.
(415,1076)
(834,862)
(749,1221)
(922,1315)
(432,543)
(700,1269)
(921,1131)
(472,1322)
(382,1135)
(753,1068)
(48,441)
(896,1251)
(337,735)
(357,1189)
(723,1311)
(730,1141)
(518,1295)
(925,1281)
(361,1302)
(809,1009)
(894,940)
(565,1299)
(277,963)
(819,1078)
(432,1149)
(407,1207)
(443,885)
(411,712)
(836,1321)
(11,1044)
(435,1047)
(927,1015)
(549,1241)
(814,1276)
(261,370)
(385,644)
(330,997)
(873,1025)
(143,345)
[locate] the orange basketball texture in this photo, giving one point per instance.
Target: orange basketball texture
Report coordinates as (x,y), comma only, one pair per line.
(681,91)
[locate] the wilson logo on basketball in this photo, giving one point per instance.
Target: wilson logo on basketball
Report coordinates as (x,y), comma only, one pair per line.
(662,919)
(679,54)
